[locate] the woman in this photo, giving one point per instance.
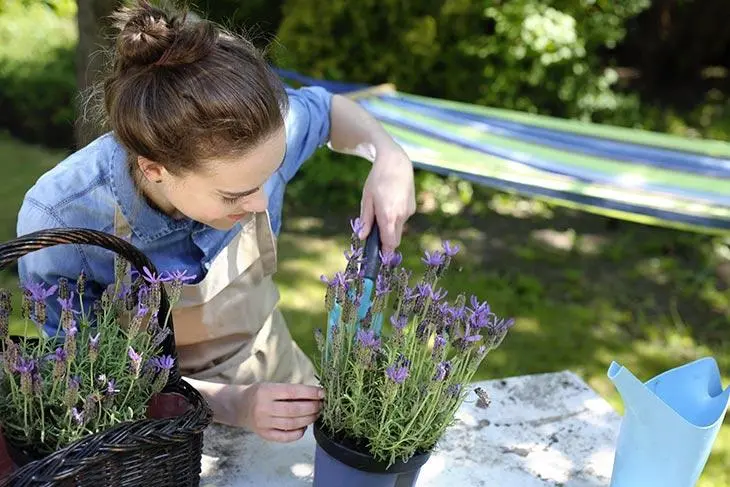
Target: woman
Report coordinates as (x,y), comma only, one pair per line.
(203,140)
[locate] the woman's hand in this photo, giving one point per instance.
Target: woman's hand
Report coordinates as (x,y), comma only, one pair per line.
(389,192)
(388,196)
(276,412)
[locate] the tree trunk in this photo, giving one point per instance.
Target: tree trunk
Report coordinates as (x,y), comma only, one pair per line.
(93,26)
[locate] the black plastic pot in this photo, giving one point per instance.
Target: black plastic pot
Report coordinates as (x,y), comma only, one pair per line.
(336,465)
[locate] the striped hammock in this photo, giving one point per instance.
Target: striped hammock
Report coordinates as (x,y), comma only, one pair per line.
(629,174)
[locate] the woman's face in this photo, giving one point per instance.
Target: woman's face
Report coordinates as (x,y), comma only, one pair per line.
(224,191)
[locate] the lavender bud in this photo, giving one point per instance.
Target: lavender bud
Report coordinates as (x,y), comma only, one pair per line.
(90,406)
(40,313)
(5,301)
(37,384)
(71,396)
(367,320)
(25,305)
(63,289)
(4,323)
(160,381)
(349,311)
(94,347)
(136,323)
(11,355)
(329,300)
(98,311)
(59,364)
(160,336)
(121,267)
(155,297)
(439,344)
(81,284)
(25,368)
(135,361)
(69,345)
(129,301)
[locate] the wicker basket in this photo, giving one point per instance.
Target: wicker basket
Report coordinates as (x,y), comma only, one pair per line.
(151,452)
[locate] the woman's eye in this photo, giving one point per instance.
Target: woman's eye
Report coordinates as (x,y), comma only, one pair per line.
(230,201)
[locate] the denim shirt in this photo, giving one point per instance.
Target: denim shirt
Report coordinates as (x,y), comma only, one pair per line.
(84,190)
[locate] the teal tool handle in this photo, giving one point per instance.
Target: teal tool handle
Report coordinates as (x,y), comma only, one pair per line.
(371,254)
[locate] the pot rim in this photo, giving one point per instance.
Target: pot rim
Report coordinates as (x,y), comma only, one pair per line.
(361,461)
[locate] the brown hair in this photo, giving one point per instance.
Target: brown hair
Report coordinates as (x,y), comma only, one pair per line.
(180,92)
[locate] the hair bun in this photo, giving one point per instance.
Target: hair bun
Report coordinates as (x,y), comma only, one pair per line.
(150,36)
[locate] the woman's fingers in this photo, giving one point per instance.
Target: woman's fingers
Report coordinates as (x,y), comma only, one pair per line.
(281,436)
(292,424)
(295,409)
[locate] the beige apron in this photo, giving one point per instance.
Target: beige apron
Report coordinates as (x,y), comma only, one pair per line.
(228,327)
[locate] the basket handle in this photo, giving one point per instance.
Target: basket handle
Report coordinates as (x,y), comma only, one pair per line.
(13,250)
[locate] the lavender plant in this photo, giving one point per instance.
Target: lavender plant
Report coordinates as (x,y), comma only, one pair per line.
(393,394)
(98,370)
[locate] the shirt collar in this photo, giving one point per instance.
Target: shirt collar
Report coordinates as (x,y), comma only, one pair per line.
(147,223)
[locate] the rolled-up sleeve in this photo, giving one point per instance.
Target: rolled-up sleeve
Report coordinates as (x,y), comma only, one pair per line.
(307,126)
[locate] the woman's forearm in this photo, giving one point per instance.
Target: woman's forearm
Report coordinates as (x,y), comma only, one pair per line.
(354,131)
(218,398)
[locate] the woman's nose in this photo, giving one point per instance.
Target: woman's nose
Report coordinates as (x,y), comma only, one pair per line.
(257,202)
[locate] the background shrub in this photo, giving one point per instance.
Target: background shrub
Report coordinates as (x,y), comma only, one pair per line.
(37,70)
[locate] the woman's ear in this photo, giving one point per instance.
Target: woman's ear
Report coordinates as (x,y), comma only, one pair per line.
(152,171)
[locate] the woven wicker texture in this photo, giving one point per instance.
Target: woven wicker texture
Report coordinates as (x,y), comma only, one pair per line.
(152,452)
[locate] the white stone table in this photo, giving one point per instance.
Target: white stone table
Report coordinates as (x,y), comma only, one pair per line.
(540,430)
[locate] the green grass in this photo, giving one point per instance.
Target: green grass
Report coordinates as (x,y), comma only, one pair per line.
(583,293)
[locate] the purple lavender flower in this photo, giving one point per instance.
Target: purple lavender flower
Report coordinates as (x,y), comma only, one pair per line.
(78,416)
(390,258)
(165,362)
(397,374)
(478,307)
(433,259)
(450,250)
(472,338)
(142,311)
(367,339)
(111,387)
(24,366)
(353,253)
(59,355)
(38,291)
(151,278)
(427,292)
(410,293)
(357,226)
(37,384)
(67,304)
(453,390)
(399,322)
(442,371)
(136,361)
(439,342)
(338,280)
(478,320)
(181,276)
(381,286)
